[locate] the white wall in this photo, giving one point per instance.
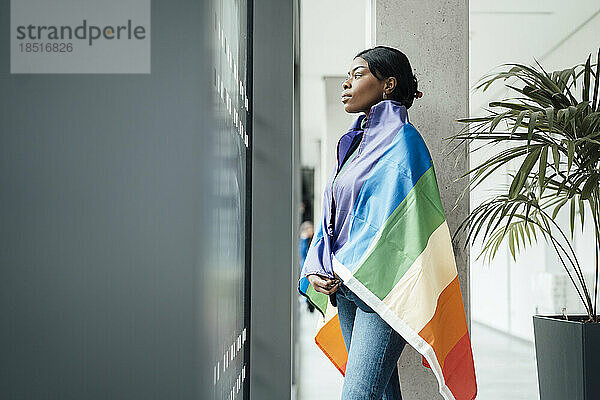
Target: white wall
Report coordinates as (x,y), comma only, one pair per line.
(506,294)
(332,33)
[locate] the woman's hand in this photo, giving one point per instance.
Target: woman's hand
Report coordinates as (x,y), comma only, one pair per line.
(323,284)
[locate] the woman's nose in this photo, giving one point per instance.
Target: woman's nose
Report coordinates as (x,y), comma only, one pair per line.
(345,84)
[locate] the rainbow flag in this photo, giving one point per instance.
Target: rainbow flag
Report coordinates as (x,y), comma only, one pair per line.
(384,233)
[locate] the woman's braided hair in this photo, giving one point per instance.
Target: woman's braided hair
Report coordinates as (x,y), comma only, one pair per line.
(387,61)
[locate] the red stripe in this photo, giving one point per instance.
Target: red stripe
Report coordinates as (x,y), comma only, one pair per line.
(459,371)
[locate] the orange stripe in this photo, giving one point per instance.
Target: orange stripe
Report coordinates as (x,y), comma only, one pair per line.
(448,324)
(459,371)
(331,342)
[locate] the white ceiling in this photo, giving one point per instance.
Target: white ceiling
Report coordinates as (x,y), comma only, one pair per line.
(558,34)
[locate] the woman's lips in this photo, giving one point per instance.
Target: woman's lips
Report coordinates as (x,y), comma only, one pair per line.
(345,98)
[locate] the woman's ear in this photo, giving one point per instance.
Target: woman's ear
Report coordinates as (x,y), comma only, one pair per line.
(390,84)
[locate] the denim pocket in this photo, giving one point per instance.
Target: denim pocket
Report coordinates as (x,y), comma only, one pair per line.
(359,303)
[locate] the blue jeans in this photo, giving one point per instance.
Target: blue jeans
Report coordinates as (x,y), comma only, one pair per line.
(373,350)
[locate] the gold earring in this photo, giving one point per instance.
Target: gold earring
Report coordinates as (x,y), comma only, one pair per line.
(384,95)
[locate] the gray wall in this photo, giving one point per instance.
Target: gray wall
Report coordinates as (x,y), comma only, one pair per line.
(101,217)
(274,205)
(434,36)
(296,197)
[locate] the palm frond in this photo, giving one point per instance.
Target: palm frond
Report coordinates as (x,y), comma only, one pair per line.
(553,141)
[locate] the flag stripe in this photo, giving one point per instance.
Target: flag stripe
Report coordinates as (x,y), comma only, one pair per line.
(304,282)
(331,342)
(389,316)
(415,297)
(448,325)
(459,370)
(403,237)
(319,299)
(410,156)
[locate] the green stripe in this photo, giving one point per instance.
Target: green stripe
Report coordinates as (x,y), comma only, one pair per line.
(319,300)
(404,236)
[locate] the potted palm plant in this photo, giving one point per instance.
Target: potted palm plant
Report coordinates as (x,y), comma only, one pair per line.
(550,132)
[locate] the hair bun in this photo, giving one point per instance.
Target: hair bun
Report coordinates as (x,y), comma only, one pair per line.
(418,94)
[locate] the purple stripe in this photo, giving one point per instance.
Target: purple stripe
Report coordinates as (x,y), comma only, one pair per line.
(386,119)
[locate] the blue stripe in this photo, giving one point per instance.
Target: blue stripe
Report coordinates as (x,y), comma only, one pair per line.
(390,180)
(304,284)
(317,236)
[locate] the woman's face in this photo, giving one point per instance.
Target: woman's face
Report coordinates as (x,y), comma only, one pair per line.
(361,89)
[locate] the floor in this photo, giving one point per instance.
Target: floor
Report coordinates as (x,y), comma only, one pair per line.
(314,366)
(505,366)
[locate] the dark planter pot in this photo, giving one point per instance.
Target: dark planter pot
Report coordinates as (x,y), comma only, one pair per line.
(568,357)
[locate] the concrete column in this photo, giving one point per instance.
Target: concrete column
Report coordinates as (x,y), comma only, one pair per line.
(434,36)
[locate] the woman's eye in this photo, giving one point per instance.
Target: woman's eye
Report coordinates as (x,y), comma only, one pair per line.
(355,76)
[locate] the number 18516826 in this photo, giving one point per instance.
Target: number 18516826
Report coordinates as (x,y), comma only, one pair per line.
(30,47)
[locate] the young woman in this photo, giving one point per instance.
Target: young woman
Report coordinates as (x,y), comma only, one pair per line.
(375,75)
(380,267)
